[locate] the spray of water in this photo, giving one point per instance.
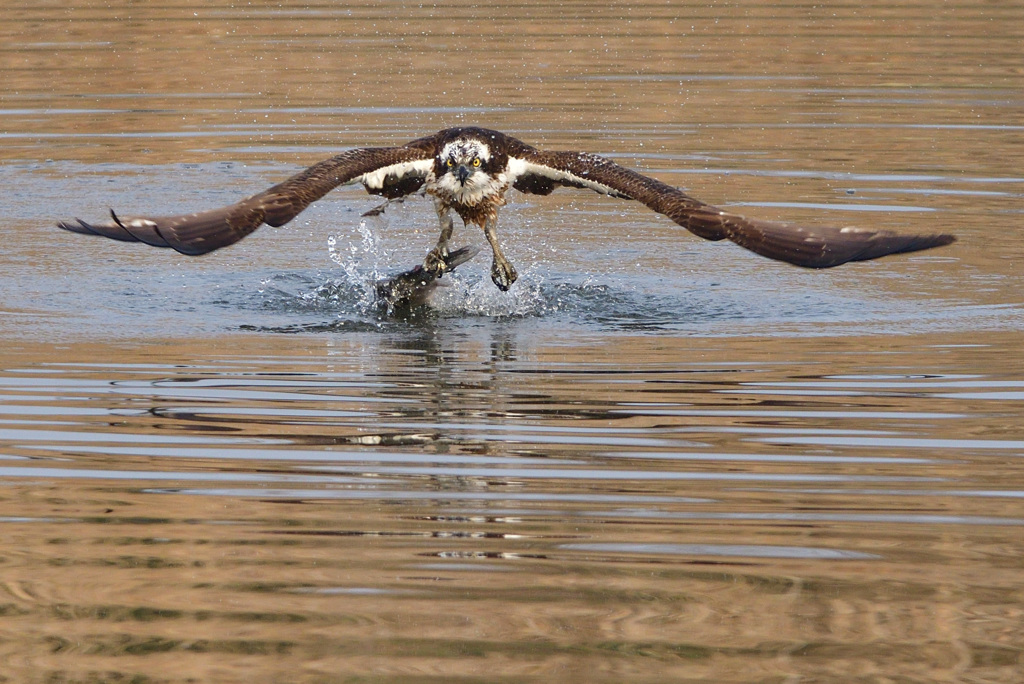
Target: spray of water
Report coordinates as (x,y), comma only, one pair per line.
(362,263)
(468,291)
(364,259)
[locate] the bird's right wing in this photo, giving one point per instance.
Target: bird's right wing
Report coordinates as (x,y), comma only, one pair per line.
(388,171)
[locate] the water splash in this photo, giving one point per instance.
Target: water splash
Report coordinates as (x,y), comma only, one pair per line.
(362,263)
(349,298)
(468,292)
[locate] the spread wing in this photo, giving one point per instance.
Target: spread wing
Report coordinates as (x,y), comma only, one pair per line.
(541,172)
(388,171)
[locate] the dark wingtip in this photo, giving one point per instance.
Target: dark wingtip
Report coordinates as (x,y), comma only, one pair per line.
(78,226)
(904,244)
(918,242)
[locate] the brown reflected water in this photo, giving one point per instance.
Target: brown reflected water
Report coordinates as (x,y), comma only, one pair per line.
(654,460)
(330,508)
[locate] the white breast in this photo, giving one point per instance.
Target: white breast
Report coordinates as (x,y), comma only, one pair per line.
(478,188)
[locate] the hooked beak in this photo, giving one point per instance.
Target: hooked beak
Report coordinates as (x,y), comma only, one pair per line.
(462,173)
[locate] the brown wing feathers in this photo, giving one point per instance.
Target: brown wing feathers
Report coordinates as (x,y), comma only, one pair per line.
(398,171)
(206,231)
(823,246)
(810,247)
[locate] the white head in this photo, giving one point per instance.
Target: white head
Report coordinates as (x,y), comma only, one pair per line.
(464,157)
(463,170)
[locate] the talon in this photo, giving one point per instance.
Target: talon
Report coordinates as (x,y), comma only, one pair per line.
(503,274)
(436,261)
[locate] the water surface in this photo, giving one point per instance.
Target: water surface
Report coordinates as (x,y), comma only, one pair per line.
(655,459)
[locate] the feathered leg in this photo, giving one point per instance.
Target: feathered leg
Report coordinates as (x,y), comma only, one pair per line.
(436,259)
(503,273)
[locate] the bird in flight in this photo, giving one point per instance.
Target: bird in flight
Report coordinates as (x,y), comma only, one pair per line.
(469,170)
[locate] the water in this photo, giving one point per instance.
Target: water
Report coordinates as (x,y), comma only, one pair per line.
(655,459)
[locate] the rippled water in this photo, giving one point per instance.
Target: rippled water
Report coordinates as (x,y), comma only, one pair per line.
(417,505)
(655,459)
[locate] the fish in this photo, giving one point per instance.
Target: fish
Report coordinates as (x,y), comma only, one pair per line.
(410,289)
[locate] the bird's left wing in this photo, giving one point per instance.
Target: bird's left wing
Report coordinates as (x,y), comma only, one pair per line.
(388,171)
(539,172)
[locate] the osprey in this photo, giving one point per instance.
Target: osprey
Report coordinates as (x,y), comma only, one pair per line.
(469,171)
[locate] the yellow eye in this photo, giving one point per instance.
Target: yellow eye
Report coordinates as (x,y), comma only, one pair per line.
(476,161)
(450,163)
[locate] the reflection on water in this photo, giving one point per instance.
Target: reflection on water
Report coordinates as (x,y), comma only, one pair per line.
(343,505)
(655,459)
